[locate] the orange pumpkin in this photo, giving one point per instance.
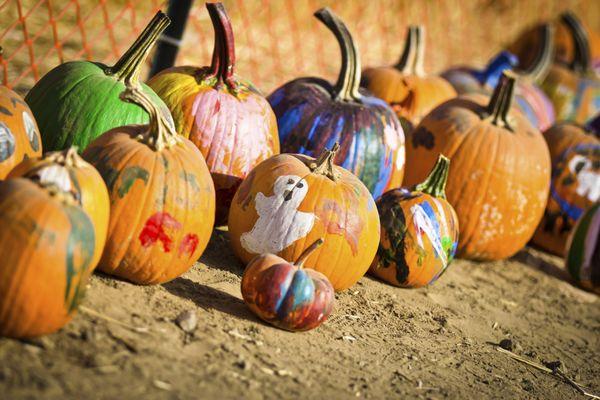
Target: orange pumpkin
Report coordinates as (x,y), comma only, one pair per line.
(19,133)
(410,92)
(500,173)
(575,186)
(162,199)
(47,244)
(291,200)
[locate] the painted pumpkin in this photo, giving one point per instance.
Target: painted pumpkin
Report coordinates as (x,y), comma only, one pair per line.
(72,174)
(583,250)
(47,245)
(225,116)
(290,200)
(162,199)
(419,232)
(19,134)
(287,295)
(500,173)
(593,125)
(405,86)
(312,115)
(78,101)
(575,184)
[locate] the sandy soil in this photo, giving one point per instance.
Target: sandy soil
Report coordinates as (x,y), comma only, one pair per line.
(381,341)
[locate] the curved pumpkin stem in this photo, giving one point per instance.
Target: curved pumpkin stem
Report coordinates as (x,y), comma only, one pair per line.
(307,252)
(419,66)
(324,164)
(581,61)
(223,59)
(541,65)
(346,88)
(435,183)
(501,101)
(69,157)
(413,56)
(127,69)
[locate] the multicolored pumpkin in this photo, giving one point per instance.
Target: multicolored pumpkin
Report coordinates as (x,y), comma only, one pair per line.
(47,244)
(583,250)
(162,199)
(575,184)
(419,232)
(312,115)
(290,200)
(287,295)
(78,101)
(19,133)
(225,116)
(405,86)
(500,173)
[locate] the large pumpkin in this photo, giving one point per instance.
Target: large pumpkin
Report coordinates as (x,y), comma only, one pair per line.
(162,199)
(500,173)
(78,101)
(583,250)
(291,200)
(575,185)
(405,86)
(313,114)
(47,246)
(225,116)
(419,232)
(19,134)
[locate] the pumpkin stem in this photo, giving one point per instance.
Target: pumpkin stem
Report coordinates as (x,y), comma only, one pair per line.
(412,58)
(324,164)
(223,61)
(435,183)
(541,65)
(346,87)
(68,157)
(501,101)
(307,252)
(127,69)
(581,61)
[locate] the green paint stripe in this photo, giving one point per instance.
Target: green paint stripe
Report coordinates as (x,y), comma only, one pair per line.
(576,254)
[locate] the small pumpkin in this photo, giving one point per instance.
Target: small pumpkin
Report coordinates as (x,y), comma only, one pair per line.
(405,86)
(419,232)
(225,116)
(290,200)
(19,133)
(583,250)
(575,184)
(78,101)
(313,114)
(500,174)
(47,243)
(287,295)
(162,199)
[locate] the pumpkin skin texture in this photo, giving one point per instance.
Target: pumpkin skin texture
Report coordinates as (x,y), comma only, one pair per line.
(419,232)
(575,184)
(78,101)
(162,199)
(225,116)
(312,115)
(290,200)
(583,250)
(19,133)
(500,173)
(287,295)
(47,245)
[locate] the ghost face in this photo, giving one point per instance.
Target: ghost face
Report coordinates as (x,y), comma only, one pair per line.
(588,177)
(292,188)
(7,142)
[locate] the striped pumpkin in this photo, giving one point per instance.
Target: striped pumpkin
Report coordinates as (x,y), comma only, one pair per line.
(583,254)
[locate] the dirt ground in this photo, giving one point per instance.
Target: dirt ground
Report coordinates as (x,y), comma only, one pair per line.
(381,341)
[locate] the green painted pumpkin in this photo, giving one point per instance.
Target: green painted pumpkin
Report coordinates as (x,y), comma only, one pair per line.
(583,250)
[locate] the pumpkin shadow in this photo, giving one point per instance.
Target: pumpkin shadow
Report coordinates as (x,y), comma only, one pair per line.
(528,257)
(219,255)
(207,297)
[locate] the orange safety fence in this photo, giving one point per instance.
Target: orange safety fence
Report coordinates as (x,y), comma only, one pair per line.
(276,40)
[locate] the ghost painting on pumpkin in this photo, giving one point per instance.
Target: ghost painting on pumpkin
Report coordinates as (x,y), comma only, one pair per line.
(588,178)
(7,142)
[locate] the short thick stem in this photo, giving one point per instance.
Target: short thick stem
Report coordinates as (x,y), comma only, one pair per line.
(499,106)
(68,157)
(223,61)
(324,164)
(581,61)
(307,252)
(435,183)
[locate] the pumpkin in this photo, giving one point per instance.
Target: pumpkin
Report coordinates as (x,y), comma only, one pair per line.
(593,125)
(224,115)
(313,114)
(290,200)
(162,199)
(500,174)
(575,184)
(47,243)
(583,250)
(419,232)
(67,170)
(285,294)
(405,86)
(19,134)
(78,101)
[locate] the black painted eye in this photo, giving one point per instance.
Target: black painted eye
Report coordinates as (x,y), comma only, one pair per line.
(579,166)
(300,185)
(290,181)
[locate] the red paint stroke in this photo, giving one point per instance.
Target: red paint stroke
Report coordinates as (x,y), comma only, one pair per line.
(188,244)
(155,230)
(217,106)
(338,221)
